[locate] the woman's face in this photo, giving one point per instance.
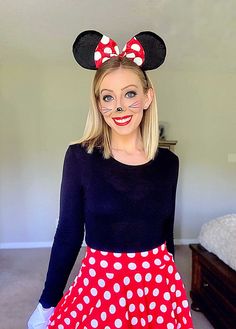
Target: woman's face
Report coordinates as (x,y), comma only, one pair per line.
(123,88)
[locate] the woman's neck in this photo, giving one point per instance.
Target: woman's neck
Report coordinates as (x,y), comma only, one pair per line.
(127,143)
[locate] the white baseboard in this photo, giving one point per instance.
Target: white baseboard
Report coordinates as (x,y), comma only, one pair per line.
(32,245)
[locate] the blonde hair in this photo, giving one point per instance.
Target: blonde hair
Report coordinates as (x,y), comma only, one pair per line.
(98,134)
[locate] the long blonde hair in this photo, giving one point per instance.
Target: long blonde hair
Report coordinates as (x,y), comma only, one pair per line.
(98,134)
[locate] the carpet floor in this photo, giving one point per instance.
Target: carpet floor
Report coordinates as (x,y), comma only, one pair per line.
(22,278)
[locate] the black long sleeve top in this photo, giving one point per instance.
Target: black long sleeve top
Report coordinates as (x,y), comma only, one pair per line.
(121,207)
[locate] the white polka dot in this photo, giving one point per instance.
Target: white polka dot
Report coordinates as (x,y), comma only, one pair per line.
(163,266)
(174,305)
(163,308)
(145,265)
(97,55)
(167,296)
(155,292)
(110,275)
(146,290)
(160,319)
(117,50)
(104,263)
(179,310)
(86,299)
(126,280)
(73,314)
(178,293)
(172,314)
(138,277)
(177,276)
(170,326)
(158,278)
(103,316)
(117,254)
(91,260)
(152,305)
(112,309)
(80,307)
(134,321)
(141,307)
(94,323)
(116,287)
(94,292)
(92,272)
(107,50)
(178,326)
(105,59)
(135,46)
(155,251)
(67,321)
(105,40)
(131,254)
(132,266)
(91,310)
(172,288)
(117,266)
(92,250)
(185,303)
(144,253)
(170,269)
(80,290)
(166,257)
(107,295)
(148,277)
(118,323)
(132,308)
(184,320)
(101,283)
(86,281)
(98,303)
(143,322)
(127,315)
(129,294)
(150,317)
(122,301)
(84,317)
(124,49)
(157,262)
(163,247)
(140,292)
(60,326)
(130,55)
(138,61)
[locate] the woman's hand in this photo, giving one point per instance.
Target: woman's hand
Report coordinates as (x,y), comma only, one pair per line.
(40,317)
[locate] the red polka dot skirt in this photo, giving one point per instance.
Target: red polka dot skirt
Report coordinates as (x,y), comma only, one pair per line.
(125,290)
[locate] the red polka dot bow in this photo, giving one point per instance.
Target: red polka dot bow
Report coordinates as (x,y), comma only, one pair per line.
(91,49)
(108,48)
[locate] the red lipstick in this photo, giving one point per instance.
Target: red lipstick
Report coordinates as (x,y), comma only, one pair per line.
(122,121)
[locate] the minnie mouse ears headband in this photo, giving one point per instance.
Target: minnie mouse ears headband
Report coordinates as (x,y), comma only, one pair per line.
(91,49)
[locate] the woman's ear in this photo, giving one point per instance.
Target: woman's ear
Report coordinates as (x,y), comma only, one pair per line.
(149,98)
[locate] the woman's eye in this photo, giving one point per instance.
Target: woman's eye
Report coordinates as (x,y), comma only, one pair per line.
(130,94)
(107,98)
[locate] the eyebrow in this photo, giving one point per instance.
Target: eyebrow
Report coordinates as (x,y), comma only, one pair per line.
(121,89)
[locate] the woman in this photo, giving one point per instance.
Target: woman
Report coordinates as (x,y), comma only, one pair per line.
(119,186)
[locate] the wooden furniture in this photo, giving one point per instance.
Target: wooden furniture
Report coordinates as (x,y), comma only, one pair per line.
(213,289)
(167,144)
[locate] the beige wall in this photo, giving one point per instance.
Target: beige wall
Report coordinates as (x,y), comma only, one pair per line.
(43,108)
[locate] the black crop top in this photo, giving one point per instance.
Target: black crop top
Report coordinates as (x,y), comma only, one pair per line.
(121,207)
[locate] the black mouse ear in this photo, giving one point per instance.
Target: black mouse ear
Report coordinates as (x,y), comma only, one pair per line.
(84,48)
(154,48)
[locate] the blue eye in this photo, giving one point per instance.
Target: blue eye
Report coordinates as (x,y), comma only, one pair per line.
(107,98)
(131,94)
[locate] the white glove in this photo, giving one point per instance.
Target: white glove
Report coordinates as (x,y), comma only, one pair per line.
(40,317)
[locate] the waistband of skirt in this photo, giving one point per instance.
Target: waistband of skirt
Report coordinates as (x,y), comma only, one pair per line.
(160,251)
